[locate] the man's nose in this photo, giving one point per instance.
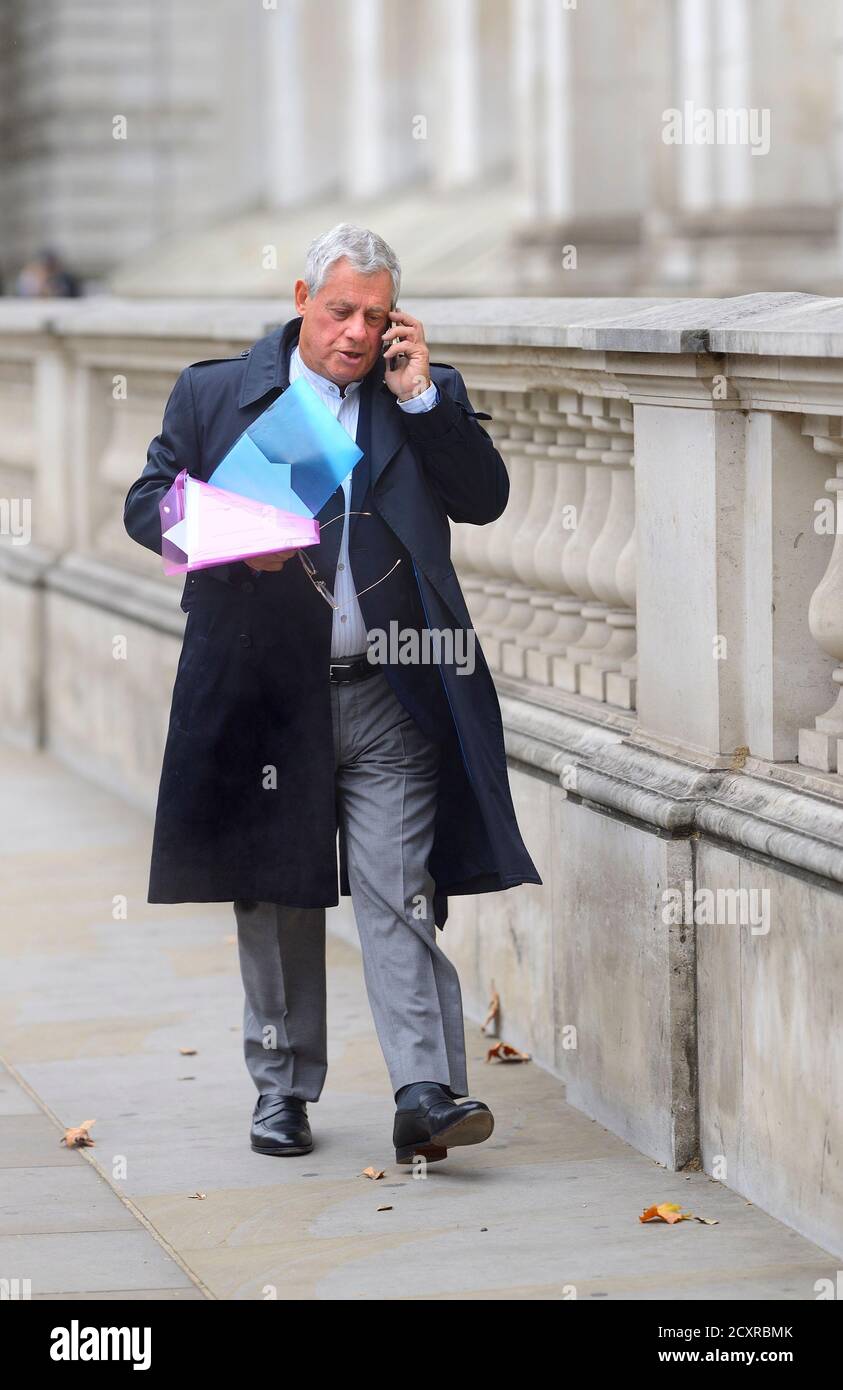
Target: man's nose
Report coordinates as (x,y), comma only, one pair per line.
(356,329)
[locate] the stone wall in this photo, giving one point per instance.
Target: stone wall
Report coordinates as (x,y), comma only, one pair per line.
(529,133)
(661,606)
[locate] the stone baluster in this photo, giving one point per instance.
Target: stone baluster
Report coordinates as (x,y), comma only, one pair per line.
(498,577)
(606,554)
(620,685)
(471,544)
(537,484)
(822,746)
(576,561)
(554,619)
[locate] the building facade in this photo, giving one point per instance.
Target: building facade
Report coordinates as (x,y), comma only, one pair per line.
(562,147)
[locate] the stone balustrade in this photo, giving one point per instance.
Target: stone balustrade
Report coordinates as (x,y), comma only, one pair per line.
(661,604)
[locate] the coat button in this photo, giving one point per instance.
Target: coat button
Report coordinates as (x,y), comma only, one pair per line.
(245,639)
(247,586)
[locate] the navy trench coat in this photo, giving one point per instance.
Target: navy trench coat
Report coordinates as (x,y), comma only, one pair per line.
(251,691)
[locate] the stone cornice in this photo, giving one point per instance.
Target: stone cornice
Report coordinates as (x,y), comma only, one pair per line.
(608,770)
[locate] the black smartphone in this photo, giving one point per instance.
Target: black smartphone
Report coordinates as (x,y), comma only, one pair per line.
(393,364)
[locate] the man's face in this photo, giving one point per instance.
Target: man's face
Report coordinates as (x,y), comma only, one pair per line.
(343,323)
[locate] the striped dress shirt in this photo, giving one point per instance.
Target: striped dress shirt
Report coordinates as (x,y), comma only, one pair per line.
(348,635)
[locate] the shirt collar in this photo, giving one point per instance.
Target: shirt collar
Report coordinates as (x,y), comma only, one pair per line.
(321,382)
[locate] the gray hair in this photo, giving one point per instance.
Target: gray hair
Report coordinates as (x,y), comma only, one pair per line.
(365,252)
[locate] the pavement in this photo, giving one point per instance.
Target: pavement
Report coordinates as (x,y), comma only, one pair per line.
(100,992)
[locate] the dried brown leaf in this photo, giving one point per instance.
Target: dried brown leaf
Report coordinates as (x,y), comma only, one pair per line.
(493,1010)
(670,1212)
(503,1052)
(78,1137)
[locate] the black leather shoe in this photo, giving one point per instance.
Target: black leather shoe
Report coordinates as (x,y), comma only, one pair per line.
(437,1124)
(280,1126)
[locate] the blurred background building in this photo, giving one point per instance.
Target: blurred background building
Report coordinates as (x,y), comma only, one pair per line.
(505,146)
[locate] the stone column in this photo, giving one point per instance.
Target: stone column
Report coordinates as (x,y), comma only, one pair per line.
(383,44)
(837,145)
(578,156)
(455,89)
(302,151)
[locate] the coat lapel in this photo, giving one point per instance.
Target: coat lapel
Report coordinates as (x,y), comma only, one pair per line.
(387,434)
(379,432)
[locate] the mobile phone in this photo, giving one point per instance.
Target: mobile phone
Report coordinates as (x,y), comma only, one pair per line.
(394,364)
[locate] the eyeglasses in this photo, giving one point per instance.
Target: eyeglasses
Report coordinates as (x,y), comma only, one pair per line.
(319,584)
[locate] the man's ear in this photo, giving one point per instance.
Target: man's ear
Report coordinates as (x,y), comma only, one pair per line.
(300,295)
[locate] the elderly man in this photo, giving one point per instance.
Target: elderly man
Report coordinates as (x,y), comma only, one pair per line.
(294,722)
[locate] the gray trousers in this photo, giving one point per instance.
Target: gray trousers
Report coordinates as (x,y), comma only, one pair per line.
(386,783)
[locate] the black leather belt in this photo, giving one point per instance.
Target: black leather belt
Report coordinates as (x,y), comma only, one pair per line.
(353,668)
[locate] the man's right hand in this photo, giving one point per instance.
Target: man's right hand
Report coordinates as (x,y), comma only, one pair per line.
(276,560)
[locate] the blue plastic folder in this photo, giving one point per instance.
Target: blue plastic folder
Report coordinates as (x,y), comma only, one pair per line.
(294,456)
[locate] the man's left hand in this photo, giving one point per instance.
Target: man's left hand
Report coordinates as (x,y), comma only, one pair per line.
(406,336)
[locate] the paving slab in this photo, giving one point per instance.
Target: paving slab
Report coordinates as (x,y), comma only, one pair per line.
(69,1261)
(65,1231)
(46,1200)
